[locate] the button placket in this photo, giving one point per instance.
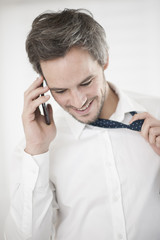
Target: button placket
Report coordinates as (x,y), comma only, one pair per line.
(115,193)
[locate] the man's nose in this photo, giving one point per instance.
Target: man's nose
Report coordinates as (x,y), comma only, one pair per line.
(77,99)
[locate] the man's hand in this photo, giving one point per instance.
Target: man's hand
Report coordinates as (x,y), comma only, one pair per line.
(150,129)
(38,134)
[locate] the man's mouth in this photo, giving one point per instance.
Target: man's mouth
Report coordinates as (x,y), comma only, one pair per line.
(85,109)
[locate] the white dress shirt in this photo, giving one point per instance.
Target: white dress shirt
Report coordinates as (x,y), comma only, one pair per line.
(104,183)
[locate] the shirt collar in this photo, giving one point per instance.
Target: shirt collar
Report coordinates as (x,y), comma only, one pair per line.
(125,105)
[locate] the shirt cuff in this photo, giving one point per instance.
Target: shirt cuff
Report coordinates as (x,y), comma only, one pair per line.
(35,170)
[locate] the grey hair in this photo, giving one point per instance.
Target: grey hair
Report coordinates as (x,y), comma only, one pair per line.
(53,34)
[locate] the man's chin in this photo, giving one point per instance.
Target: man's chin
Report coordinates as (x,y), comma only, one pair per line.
(85,119)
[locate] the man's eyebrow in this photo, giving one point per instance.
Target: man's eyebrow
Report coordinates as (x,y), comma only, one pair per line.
(87,78)
(57,89)
(83,81)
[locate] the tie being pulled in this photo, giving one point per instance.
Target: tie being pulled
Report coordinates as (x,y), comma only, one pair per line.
(105,123)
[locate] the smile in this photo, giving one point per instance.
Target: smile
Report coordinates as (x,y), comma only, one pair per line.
(84,110)
(85,107)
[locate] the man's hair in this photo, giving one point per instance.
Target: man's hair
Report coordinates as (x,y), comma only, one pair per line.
(53,34)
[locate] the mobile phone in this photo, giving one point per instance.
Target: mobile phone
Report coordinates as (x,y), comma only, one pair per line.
(45,111)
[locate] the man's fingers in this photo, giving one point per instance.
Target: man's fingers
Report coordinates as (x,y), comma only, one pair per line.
(151,126)
(140,116)
(37,92)
(145,129)
(33,94)
(37,102)
(154,135)
(34,85)
(150,129)
(31,108)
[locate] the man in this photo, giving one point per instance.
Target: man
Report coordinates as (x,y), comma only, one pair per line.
(76,178)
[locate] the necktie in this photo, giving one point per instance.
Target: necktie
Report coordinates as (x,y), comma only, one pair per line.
(105,123)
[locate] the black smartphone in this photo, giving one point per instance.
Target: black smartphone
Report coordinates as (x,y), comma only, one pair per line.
(45,111)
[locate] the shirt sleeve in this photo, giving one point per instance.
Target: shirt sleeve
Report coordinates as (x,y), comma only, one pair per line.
(33,205)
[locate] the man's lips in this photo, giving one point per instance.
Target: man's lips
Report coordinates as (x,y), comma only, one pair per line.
(85,109)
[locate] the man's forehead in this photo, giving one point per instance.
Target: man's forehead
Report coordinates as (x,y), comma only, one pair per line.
(57,72)
(75,55)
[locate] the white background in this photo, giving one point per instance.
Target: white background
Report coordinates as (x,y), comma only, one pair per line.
(133,34)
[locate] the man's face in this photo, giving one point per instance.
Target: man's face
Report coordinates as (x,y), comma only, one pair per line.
(77,83)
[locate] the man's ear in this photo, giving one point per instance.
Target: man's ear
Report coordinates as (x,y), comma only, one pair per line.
(106,64)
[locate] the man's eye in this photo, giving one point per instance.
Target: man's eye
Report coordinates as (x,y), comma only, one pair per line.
(60,91)
(86,83)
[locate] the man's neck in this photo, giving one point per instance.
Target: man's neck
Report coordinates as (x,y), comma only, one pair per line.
(110,104)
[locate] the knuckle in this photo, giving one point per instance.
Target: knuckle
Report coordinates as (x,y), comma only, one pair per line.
(149,120)
(148,115)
